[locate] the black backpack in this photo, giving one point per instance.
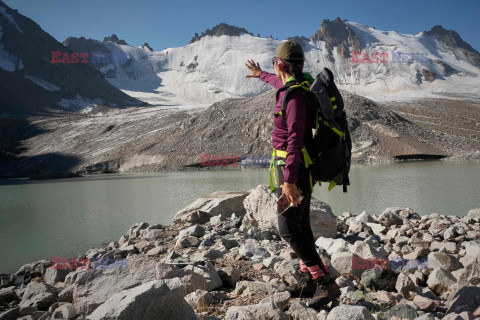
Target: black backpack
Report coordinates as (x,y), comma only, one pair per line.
(331,149)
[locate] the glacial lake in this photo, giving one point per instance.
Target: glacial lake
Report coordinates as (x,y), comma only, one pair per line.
(66,217)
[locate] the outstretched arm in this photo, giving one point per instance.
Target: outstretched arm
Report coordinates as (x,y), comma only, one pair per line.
(270,78)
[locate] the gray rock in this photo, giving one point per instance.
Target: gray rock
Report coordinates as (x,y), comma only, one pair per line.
(230,276)
(465,299)
(261,213)
(199,299)
(299,310)
(94,286)
(390,217)
(346,312)
(401,311)
(134,231)
(228,243)
(245,287)
(261,311)
(153,234)
(443,260)
(12,314)
(472,248)
(7,280)
(441,281)
(53,276)
(280,299)
(8,294)
(405,286)
(342,263)
(252,249)
(470,275)
(218,203)
(195,230)
(187,241)
(474,213)
(380,279)
(66,311)
(39,295)
(158,299)
(209,273)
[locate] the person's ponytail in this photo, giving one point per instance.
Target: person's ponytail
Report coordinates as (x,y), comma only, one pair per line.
(296,70)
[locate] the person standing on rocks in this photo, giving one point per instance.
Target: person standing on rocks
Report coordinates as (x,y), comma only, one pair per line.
(292,178)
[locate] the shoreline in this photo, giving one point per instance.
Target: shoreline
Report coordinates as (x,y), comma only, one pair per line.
(251,267)
(71,175)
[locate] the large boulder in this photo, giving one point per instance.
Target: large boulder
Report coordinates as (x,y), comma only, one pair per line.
(474,213)
(39,295)
(158,299)
(261,212)
(470,275)
(94,286)
(346,312)
(441,281)
(465,299)
(443,260)
(261,311)
(222,203)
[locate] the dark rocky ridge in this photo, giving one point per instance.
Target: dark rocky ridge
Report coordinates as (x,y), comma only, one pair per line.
(220,30)
(32,46)
(452,39)
(338,34)
(113,38)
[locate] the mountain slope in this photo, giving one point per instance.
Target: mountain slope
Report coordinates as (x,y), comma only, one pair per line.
(211,67)
(31,84)
(155,139)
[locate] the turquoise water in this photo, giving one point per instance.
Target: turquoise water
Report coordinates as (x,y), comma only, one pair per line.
(63,218)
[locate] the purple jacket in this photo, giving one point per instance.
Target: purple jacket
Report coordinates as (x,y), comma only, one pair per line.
(295,134)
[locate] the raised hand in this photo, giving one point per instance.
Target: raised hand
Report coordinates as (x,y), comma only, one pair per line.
(255,68)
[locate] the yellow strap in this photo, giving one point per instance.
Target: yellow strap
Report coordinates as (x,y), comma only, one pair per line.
(332,99)
(332,184)
(334,107)
(280,153)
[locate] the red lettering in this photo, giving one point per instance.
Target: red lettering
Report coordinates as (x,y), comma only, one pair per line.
(365,58)
(356,263)
(384,263)
(375,57)
(74,264)
(65,58)
(56,263)
(365,264)
(84,56)
(225,161)
(206,157)
(56,57)
(83,263)
(384,56)
(215,161)
(66,264)
(355,57)
(235,161)
(75,58)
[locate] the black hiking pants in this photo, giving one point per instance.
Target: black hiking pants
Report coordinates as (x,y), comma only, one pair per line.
(294,224)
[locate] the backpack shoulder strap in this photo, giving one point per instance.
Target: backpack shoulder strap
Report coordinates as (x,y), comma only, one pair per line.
(303,87)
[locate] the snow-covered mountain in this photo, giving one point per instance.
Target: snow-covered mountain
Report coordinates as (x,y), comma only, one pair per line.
(212,66)
(31,84)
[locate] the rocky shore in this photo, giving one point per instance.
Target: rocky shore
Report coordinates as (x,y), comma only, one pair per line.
(222,258)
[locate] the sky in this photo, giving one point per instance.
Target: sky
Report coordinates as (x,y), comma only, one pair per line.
(166,24)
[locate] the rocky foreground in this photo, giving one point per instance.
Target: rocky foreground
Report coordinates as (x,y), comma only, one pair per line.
(223,259)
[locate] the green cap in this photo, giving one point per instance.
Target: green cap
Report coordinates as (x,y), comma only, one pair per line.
(290,50)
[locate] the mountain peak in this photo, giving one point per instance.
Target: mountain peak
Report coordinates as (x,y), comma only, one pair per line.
(113,38)
(220,30)
(337,33)
(452,39)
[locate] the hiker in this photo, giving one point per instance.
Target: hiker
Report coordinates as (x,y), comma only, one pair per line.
(291,134)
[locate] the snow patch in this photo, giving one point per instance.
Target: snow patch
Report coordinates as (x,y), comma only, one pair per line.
(79,103)
(43,83)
